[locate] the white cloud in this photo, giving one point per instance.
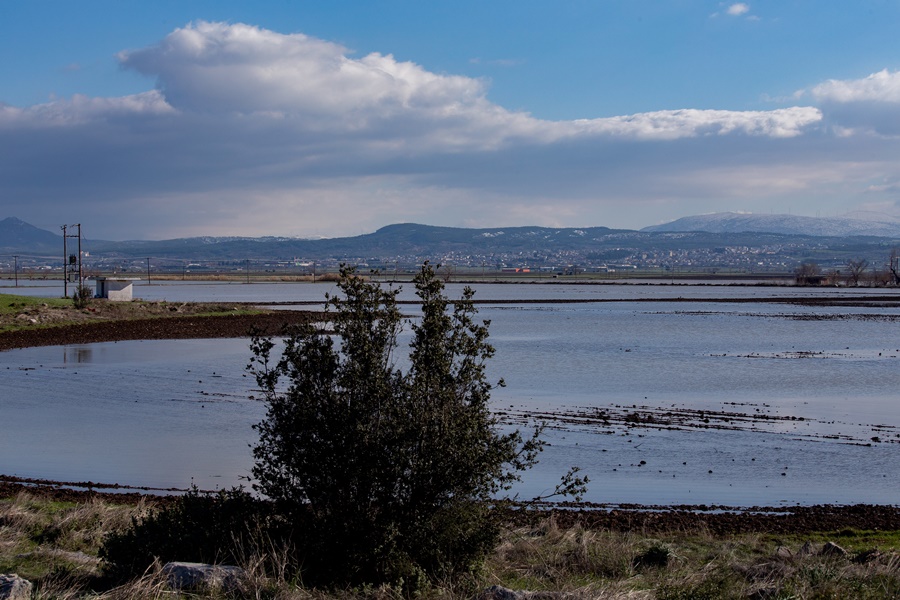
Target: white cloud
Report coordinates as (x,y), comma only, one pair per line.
(251,132)
(869,105)
(217,67)
(82,109)
(883,86)
(674,124)
(737,9)
(313,84)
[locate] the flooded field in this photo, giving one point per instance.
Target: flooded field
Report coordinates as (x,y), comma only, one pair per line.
(732,398)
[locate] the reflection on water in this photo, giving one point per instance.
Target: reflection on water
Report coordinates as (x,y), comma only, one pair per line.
(157,413)
(719,404)
(77,354)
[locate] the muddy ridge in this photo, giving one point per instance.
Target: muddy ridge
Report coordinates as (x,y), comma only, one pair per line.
(166,328)
(716,520)
(618,420)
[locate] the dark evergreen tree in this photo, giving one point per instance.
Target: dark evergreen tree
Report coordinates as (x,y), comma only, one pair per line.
(386,473)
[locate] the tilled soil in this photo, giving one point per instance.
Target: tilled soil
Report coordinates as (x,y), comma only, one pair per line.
(724,520)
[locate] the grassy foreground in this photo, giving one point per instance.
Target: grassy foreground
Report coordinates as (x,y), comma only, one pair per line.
(55,544)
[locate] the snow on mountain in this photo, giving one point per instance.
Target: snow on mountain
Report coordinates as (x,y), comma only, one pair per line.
(782,224)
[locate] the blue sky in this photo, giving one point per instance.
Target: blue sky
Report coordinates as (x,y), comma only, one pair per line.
(198,117)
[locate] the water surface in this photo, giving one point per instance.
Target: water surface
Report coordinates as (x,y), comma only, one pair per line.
(810,388)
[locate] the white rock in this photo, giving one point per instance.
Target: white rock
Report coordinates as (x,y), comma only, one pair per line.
(832,549)
(498,592)
(188,575)
(13,587)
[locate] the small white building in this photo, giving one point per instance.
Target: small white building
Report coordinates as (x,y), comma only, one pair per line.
(115,288)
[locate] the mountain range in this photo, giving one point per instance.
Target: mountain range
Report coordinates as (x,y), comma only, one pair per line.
(730,222)
(791,237)
(18,237)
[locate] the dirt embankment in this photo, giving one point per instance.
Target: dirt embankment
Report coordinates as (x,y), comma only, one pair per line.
(724,520)
(102,321)
(213,326)
(646,520)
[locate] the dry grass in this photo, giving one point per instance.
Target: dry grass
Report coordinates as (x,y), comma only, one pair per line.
(55,545)
(689,565)
(27,312)
(57,542)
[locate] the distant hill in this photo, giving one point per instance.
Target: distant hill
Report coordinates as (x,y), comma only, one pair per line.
(406,239)
(726,240)
(782,224)
(18,236)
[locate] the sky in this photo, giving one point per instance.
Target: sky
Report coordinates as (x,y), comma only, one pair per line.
(176,118)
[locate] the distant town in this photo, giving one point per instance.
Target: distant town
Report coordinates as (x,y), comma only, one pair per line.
(518,252)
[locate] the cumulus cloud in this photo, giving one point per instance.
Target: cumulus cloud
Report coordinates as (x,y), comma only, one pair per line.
(249,131)
(243,70)
(82,109)
(883,86)
(737,9)
(870,104)
(216,67)
(674,124)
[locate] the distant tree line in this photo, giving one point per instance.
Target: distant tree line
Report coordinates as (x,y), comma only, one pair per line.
(858,272)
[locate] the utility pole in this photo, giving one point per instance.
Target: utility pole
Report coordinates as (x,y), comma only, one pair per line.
(72,266)
(148,270)
(65,263)
(16,262)
(247,263)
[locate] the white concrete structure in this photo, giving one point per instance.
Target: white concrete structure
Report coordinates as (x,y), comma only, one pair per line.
(115,288)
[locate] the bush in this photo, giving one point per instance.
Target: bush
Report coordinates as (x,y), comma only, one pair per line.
(656,556)
(82,296)
(197,527)
(386,474)
(377,474)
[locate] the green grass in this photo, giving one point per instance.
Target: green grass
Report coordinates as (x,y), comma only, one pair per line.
(40,539)
(696,565)
(11,304)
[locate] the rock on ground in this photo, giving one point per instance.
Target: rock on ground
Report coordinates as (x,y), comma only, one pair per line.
(13,587)
(498,592)
(832,549)
(192,576)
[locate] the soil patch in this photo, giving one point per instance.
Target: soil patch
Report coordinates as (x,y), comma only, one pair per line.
(725,520)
